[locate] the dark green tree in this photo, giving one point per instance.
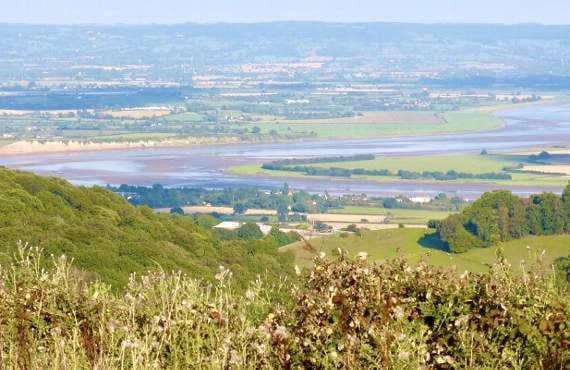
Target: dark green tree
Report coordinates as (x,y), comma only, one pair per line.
(240,209)
(177,211)
(566,205)
(551,212)
(455,236)
(534,219)
(249,231)
(282,209)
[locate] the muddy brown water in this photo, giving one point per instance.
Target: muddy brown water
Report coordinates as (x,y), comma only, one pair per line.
(204,166)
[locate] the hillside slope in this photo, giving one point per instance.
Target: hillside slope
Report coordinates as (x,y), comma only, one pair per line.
(109,239)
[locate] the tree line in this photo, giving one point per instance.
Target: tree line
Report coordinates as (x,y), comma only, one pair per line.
(403,174)
(501,216)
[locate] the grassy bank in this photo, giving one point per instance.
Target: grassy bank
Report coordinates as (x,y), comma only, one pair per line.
(469,163)
(354,128)
(415,244)
(405,216)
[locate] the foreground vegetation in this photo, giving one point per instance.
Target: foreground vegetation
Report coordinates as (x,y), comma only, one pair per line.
(344,314)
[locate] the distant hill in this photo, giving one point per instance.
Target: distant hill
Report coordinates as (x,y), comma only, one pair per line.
(109,238)
(98,52)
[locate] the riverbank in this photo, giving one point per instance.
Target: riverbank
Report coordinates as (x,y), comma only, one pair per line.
(473,164)
(24,147)
(447,123)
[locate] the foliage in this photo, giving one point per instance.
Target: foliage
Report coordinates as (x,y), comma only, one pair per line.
(249,231)
(434,224)
(177,211)
(282,238)
(343,314)
(500,216)
(205,220)
(296,161)
(563,265)
(240,209)
(300,165)
(109,238)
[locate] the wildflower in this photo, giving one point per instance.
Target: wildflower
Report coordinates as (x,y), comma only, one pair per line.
(223,274)
(235,359)
(127,344)
(264,331)
(280,334)
(111,326)
(297,270)
(250,295)
(399,312)
(462,320)
(259,348)
(404,356)
(362,256)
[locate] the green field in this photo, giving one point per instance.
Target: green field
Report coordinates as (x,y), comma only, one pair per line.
(184,117)
(136,136)
(454,122)
(247,126)
(472,163)
(462,163)
(415,244)
(405,216)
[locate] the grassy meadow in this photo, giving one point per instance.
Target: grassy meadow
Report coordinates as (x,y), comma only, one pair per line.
(397,216)
(469,163)
(357,127)
(415,244)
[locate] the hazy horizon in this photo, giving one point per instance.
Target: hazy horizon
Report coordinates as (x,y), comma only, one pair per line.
(63,12)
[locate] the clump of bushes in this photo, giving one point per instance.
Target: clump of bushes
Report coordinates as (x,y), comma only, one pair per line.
(342,314)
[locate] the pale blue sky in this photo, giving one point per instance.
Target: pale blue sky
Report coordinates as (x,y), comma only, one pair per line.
(176,11)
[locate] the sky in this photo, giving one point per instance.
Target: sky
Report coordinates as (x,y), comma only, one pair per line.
(211,11)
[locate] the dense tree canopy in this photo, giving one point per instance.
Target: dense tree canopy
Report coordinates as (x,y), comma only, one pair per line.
(109,238)
(500,216)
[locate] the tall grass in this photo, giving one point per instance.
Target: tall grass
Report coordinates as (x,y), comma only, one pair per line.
(343,314)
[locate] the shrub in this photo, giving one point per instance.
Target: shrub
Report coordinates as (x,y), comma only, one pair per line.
(434,224)
(249,231)
(177,211)
(343,314)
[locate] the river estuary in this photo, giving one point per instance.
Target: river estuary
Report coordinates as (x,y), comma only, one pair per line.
(204,166)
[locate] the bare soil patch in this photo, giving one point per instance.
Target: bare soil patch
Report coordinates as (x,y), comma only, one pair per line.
(138,113)
(552,169)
